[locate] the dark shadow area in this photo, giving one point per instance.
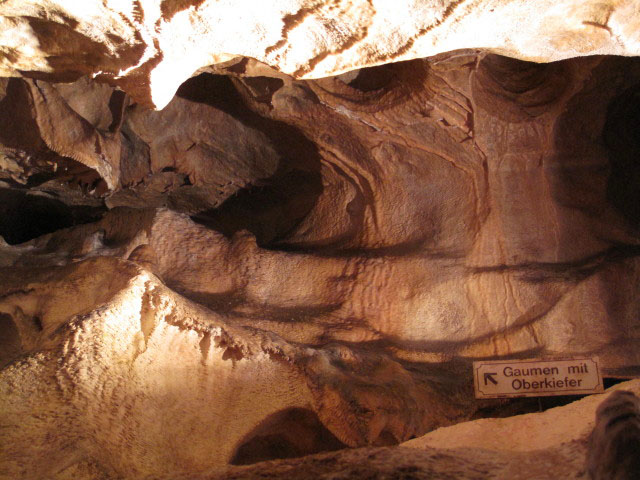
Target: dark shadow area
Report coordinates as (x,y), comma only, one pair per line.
(10,346)
(373,78)
(621,135)
(413,247)
(18,128)
(277,204)
(268,211)
(135,161)
(597,140)
(219,302)
(290,433)
(24,216)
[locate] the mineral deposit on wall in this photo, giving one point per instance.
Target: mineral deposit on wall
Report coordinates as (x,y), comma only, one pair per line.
(150,47)
(276,264)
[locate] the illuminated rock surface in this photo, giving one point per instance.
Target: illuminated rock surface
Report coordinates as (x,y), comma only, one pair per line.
(150,47)
(271,267)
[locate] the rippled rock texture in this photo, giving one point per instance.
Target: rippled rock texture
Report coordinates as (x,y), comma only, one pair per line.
(271,267)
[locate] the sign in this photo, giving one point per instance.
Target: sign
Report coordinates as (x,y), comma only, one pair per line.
(536,378)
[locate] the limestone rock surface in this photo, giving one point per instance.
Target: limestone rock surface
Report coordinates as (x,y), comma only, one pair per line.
(108,366)
(547,445)
(463,207)
(149,48)
(268,258)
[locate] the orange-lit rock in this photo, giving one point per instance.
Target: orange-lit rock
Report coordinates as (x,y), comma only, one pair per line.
(270,267)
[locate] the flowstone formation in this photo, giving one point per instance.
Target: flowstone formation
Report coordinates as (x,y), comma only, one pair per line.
(270,267)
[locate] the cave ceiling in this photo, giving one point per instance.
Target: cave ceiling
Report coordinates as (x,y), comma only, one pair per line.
(234,224)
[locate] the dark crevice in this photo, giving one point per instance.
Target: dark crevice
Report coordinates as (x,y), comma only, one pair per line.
(117,106)
(135,156)
(10,345)
(374,78)
(25,215)
(19,130)
(268,211)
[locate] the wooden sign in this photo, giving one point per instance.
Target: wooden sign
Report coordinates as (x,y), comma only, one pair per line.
(536,378)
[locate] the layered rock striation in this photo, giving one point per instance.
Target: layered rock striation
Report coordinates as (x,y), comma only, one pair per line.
(270,266)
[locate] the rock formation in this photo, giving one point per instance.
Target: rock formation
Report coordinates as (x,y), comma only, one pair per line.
(544,446)
(275,264)
(149,48)
(615,440)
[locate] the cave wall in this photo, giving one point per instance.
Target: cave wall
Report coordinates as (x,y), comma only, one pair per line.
(149,48)
(269,258)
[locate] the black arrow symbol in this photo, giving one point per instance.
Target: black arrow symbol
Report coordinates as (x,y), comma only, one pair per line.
(489,376)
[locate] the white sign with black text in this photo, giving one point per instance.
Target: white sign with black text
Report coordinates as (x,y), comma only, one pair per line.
(536,378)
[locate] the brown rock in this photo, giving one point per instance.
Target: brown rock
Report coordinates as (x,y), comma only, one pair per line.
(150,48)
(269,259)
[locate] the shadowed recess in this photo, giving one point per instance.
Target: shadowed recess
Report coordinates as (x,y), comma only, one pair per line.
(373,78)
(24,216)
(293,432)
(10,347)
(527,89)
(621,136)
(273,206)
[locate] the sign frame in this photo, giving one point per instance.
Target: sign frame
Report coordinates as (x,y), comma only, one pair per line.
(485,382)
